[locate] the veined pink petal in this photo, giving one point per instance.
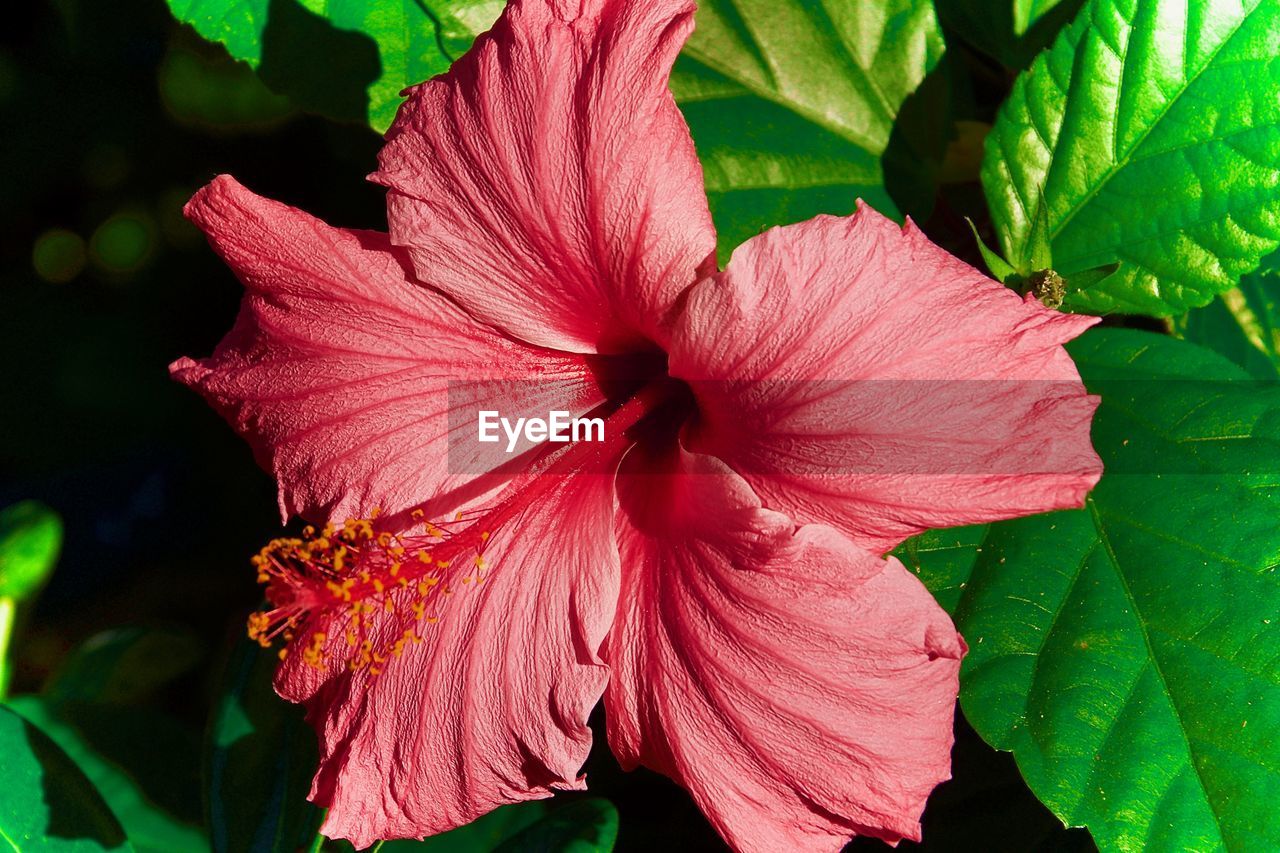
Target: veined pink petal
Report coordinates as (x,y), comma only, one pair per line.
(548,182)
(341,372)
(801,688)
(491,706)
(858,375)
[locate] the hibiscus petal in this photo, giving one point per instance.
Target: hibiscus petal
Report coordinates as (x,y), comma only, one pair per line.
(548,182)
(858,375)
(802,689)
(491,707)
(343,374)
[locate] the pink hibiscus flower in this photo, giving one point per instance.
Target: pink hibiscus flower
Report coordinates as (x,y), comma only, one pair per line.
(714,566)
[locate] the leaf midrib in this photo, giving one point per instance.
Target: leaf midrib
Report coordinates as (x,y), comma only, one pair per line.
(1140,619)
(1124,162)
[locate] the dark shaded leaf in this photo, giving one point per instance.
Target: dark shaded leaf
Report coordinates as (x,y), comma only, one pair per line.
(260,757)
(46,803)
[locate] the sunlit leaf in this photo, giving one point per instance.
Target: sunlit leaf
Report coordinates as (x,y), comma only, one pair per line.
(793,105)
(797,107)
(1127,653)
(1149,135)
(347,59)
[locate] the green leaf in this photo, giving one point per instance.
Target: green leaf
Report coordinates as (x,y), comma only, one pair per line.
(482,835)
(793,103)
(1148,135)
(585,826)
(1127,652)
(137,760)
(260,757)
(460,21)
(46,803)
(797,107)
(1027,12)
(30,539)
(1243,324)
(143,762)
(346,59)
(996,265)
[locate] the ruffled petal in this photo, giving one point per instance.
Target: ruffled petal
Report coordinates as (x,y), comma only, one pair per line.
(491,706)
(800,688)
(858,375)
(548,182)
(355,386)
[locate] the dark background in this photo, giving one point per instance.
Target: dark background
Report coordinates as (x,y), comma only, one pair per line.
(110,117)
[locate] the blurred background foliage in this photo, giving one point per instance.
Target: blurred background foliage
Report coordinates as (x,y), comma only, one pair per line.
(111,115)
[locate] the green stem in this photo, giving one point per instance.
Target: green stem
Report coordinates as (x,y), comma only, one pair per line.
(318,842)
(8,611)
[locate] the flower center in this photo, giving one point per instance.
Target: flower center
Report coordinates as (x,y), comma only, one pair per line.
(334,580)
